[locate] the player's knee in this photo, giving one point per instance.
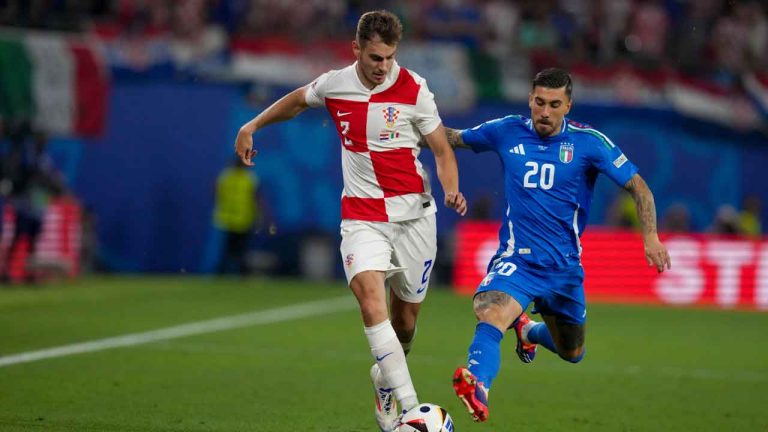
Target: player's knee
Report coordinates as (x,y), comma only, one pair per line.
(481,314)
(372,308)
(494,307)
(573,356)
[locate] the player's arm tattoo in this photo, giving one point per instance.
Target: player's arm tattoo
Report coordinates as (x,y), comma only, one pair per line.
(455,139)
(646,208)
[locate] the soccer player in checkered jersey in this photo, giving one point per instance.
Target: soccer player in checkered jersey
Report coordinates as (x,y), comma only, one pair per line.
(550,165)
(380,111)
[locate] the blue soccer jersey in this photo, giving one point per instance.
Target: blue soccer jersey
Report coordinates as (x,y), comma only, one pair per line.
(548,185)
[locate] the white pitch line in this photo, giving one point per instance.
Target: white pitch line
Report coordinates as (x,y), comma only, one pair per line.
(269,316)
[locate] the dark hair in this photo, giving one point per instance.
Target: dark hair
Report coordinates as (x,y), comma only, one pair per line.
(380,23)
(554,78)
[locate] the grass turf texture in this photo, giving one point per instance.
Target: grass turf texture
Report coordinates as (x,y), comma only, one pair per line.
(646,369)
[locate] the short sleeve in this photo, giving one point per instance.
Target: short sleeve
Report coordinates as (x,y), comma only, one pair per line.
(315,94)
(427,118)
(611,161)
(482,137)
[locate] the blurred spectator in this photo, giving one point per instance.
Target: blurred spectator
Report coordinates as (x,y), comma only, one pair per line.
(726,221)
(89,241)
(622,213)
(692,35)
(455,21)
(647,32)
(34,181)
(677,219)
(749,219)
(730,46)
(236,213)
(610,17)
(194,40)
(503,20)
(538,37)
(752,15)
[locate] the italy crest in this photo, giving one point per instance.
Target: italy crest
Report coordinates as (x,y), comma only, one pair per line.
(566,152)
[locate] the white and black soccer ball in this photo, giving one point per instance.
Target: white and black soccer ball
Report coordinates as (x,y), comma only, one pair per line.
(426,417)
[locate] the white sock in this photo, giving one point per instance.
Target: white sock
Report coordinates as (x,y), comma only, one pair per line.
(388,353)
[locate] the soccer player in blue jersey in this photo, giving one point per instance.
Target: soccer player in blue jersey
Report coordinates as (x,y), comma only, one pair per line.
(550,167)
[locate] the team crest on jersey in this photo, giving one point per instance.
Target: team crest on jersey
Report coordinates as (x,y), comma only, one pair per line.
(566,152)
(390,116)
(386,135)
(487,279)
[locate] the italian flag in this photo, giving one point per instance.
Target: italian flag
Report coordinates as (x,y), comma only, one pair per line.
(56,81)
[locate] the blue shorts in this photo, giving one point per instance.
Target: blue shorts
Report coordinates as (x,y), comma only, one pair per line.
(554,291)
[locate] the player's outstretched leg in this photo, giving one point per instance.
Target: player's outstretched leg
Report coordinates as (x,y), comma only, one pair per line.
(525,349)
(472,393)
(471,384)
(536,333)
(385,408)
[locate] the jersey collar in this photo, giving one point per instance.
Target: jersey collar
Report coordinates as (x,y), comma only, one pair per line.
(391,78)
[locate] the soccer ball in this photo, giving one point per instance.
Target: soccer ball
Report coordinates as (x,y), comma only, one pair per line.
(426,417)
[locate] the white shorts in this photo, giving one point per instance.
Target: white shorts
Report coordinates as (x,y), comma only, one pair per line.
(405,251)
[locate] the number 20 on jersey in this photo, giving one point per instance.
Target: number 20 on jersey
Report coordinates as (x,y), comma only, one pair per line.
(543,178)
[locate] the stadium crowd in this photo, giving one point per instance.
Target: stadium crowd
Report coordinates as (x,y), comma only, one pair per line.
(717,40)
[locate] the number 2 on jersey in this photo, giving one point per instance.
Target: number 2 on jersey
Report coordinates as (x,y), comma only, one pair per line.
(546,179)
(344,129)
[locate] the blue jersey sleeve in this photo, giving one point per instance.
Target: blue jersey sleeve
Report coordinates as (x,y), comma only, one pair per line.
(482,137)
(609,160)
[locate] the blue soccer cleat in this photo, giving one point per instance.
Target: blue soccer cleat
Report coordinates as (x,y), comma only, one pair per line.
(472,393)
(525,350)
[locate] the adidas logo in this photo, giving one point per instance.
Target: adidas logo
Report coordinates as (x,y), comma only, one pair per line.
(518,149)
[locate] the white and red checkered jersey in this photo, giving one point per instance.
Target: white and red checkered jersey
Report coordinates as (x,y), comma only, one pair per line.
(379,129)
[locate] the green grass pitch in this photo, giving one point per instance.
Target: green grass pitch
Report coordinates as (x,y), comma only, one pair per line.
(646,368)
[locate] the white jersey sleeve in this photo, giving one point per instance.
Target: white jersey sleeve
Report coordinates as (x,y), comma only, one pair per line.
(315,94)
(426,117)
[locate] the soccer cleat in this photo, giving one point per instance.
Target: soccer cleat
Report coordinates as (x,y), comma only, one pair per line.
(472,393)
(385,409)
(398,422)
(525,350)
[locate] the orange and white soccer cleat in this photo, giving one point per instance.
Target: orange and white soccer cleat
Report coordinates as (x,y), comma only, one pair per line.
(472,393)
(525,350)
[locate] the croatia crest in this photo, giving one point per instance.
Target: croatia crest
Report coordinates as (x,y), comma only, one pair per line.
(390,116)
(566,152)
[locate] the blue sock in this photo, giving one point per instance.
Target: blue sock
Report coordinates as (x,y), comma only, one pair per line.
(539,334)
(485,354)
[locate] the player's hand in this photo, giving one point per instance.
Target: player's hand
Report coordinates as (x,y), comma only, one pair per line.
(244,147)
(456,201)
(656,254)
